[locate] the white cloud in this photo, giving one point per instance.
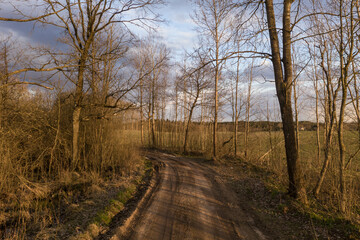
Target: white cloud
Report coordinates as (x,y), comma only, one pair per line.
(177,39)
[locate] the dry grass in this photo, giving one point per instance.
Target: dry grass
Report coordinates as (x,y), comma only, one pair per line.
(273,210)
(259,154)
(36,181)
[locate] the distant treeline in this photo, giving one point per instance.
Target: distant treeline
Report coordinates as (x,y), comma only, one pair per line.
(255,126)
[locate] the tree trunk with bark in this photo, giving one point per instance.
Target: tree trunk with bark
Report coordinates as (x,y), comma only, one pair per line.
(216,96)
(248,106)
(78,107)
(283,81)
(236,114)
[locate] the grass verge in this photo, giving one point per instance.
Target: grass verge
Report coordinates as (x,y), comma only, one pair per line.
(260,193)
(103,218)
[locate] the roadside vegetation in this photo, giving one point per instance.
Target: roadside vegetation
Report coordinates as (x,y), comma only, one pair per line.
(266,151)
(41,193)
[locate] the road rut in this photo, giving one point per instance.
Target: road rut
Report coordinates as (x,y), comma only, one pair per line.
(189,203)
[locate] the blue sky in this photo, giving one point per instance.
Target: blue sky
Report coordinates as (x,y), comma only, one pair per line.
(177,30)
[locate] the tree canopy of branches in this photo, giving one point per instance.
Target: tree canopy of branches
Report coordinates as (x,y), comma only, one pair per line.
(82,22)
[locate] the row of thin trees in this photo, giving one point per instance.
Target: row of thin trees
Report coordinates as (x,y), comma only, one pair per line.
(307,41)
(323,32)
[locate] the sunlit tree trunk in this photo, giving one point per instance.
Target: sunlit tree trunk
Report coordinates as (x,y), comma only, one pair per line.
(346,54)
(283,80)
(236,114)
(78,106)
(316,83)
(296,111)
(330,102)
(216,94)
(248,106)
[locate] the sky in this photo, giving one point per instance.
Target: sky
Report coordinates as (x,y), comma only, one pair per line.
(178,28)
(177,32)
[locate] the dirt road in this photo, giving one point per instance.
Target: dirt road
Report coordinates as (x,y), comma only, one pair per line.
(188,203)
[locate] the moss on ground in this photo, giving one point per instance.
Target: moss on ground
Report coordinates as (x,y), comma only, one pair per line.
(104,216)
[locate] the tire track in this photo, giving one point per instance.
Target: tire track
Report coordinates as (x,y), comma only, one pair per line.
(190,204)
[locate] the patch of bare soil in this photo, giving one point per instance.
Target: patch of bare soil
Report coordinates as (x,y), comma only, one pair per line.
(273,210)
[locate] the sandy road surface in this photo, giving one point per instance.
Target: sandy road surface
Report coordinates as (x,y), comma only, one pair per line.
(189,203)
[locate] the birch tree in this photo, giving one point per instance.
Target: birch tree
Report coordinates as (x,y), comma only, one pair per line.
(215,21)
(197,83)
(347,52)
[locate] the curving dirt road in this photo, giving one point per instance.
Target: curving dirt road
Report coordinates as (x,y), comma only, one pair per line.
(188,203)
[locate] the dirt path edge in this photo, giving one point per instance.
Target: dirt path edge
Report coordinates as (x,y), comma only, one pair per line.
(120,228)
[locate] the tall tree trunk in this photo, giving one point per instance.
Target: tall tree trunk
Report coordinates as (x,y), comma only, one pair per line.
(283,89)
(318,144)
(342,150)
(248,105)
(163,99)
(236,117)
(327,157)
(77,110)
(193,105)
(330,118)
(203,125)
(141,111)
(346,58)
(149,121)
(296,114)
(76,132)
(341,114)
(153,137)
(176,114)
(187,129)
(185,102)
(217,73)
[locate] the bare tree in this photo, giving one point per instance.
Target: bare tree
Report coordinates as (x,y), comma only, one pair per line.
(314,75)
(283,71)
(151,63)
(330,95)
(196,84)
(248,107)
(82,21)
(236,110)
(215,20)
(337,55)
(141,65)
(347,52)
